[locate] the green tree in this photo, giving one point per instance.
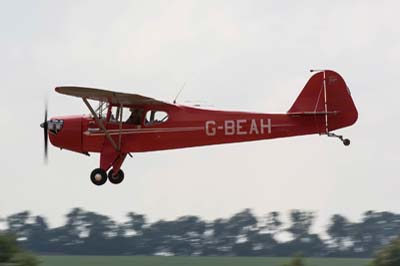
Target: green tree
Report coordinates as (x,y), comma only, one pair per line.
(389,255)
(374,231)
(38,235)
(297,260)
(273,222)
(136,222)
(301,222)
(18,224)
(8,247)
(341,232)
(233,235)
(11,253)
(98,230)
(303,241)
(182,236)
(24,259)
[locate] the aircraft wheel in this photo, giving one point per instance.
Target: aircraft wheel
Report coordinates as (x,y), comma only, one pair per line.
(117,178)
(98,176)
(346,142)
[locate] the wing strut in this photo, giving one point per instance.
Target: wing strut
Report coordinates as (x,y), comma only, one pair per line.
(100,123)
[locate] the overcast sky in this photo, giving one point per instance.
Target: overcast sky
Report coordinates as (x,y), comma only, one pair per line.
(236,55)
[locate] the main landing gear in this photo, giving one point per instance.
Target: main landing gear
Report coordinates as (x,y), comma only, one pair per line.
(115,178)
(346,142)
(99,176)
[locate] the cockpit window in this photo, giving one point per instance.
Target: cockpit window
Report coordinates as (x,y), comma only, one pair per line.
(128,115)
(155,117)
(136,116)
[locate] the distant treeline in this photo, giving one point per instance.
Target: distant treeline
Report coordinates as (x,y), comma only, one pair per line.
(243,234)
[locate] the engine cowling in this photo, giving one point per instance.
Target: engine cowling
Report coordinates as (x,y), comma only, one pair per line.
(66,132)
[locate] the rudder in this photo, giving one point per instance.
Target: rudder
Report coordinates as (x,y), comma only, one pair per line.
(326,94)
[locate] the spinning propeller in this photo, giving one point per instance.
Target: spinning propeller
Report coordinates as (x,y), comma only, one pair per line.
(45,127)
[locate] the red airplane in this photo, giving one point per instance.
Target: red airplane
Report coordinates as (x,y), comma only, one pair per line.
(128,123)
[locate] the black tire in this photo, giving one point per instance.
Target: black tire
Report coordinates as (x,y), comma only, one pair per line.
(98,176)
(116,179)
(346,142)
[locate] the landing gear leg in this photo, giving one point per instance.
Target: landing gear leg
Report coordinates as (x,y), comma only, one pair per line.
(117,177)
(346,142)
(98,176)
(110,158)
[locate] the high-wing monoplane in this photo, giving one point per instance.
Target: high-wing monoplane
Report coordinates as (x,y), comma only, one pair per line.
(124,123)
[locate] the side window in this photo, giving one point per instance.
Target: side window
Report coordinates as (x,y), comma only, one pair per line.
(129,115)
(135,117)
(155,117)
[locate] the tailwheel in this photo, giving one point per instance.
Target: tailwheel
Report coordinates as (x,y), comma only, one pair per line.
(346,142)
(98,176)
(116,178)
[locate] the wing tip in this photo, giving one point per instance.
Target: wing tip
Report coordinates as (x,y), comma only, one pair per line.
(66,89)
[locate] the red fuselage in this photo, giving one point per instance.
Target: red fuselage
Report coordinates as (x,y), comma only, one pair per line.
(185,127)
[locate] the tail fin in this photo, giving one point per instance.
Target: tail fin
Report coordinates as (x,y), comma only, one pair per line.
(327,96)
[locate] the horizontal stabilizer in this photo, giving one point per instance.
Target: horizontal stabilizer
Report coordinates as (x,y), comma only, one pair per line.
(312,113)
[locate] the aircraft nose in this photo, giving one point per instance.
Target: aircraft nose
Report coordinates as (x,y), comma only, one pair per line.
(65,132)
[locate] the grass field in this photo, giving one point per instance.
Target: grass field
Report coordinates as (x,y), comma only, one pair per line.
(189,261)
